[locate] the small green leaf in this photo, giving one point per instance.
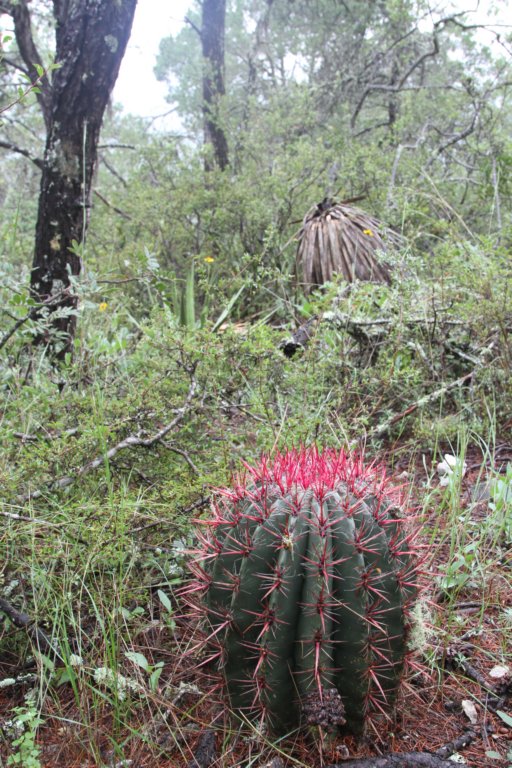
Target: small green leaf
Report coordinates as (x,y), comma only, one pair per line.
(506,718)
(227,311)
(164,600)
(188,311)
(138,658)
(493,755)
(155,676)
(47,662)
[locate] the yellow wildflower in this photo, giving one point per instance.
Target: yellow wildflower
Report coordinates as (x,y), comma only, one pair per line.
(209,259)
(102,307)
(368,232)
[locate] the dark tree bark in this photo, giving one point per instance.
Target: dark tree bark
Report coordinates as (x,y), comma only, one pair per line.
(91,38)
(213,27)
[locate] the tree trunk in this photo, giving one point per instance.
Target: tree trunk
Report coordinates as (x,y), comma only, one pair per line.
(213,28)
(91,38)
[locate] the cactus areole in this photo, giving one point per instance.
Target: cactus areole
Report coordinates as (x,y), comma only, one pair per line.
(306,577)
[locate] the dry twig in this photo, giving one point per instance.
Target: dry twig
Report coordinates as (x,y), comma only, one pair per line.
(131,441)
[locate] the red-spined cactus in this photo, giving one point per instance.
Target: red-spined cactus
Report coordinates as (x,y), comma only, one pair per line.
(306,576)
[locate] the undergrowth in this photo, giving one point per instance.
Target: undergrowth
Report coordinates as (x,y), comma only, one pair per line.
(96,508)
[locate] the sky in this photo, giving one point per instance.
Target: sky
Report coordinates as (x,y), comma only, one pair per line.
(137,88)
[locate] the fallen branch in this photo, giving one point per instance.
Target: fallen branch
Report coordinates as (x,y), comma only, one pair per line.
(381,429)
(27,519)
(495,695)
(398,760)
(182,453)
(32,438)
(460,742)
(361,329)
(344,321)
(132,441)
(23,621)
(437,759)
(299,338)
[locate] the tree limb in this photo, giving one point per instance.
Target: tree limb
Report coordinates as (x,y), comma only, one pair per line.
(14,64)
(111,206)
(20,151)
(113,171)
(194,27)
(20,15)
(399,86)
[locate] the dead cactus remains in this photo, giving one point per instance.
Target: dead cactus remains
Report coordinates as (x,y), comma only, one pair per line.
(336,238)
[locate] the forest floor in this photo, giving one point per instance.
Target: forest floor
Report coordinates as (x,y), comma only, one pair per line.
(453,698)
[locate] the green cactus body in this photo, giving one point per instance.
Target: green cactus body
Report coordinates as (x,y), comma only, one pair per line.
(308,579)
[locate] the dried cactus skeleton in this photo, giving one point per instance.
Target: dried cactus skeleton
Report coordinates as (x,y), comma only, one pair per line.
(305,580)
(336,238)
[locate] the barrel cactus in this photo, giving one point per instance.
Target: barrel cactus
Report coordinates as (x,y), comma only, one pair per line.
(305,577)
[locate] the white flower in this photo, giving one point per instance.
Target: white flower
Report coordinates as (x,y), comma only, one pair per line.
(449,467)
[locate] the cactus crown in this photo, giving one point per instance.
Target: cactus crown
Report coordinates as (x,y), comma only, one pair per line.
(306,575)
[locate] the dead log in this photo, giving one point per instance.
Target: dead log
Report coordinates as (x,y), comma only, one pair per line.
(398,760)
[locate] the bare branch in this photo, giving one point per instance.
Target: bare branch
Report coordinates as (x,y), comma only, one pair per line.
(20,151)
(113,171)
(31,438)
(117,146)
(400,85)
(432,53)
(194,27)
(27,519)
(432,397)
(457,137)
(14,65)
(111,206)
(397,760)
